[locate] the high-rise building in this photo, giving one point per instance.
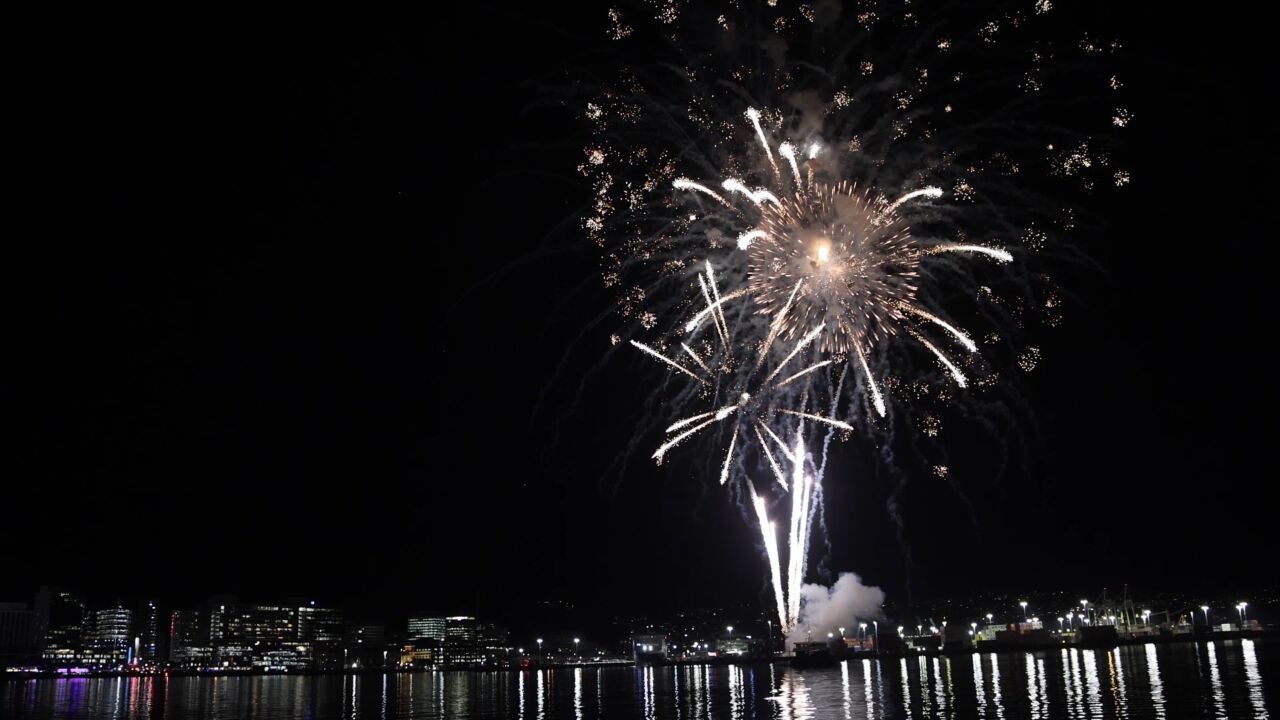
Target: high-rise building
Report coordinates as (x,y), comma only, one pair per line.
(266,623)
(220,609)
(321,629)
(460,630)
(189,639)
(318,624)
(62,620)
(147,632)
(427,628)
(111,629)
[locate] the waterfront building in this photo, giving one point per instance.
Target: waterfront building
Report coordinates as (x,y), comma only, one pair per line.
(146,633)
(321,628)
(460,630)
(111,630)
(318,624)
(427,628)
(424,653)
(189,639)
(262,623)
(19,632)
(62,621)
(648,648)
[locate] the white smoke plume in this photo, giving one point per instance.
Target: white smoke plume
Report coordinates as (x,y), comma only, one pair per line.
(843,605)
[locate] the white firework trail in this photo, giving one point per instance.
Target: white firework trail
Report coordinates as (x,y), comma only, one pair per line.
(801,488)
(756,196)
(786,451)
(697,319)
(813,334)
(1001,255)
(667,360)
(754,116)
(773,463)
(715,292)
(932,192)
(687,184)
(823,419)
(721,329)
(662,449)
(787,151)
(960,335)
(717,416)
(769,534)
(876,399)
(694,356)
(775,327)
(806,371)
(689,421)
(746,238)
(728,457)
(955,371)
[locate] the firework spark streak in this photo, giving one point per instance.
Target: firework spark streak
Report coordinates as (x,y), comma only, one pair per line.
(769,534)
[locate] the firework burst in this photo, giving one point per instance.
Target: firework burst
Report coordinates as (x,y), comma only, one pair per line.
(778,213)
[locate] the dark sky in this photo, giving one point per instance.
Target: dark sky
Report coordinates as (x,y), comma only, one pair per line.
(301,312)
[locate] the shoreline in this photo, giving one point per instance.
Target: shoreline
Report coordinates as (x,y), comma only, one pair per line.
(677,662)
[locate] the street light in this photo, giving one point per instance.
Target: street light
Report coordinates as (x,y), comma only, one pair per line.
(842,633)
(1205,608)
(730,629)
(1060,621)
(989,616)
(1244,606)
(863,628)
(575,646)
(1024,610)
(540,656)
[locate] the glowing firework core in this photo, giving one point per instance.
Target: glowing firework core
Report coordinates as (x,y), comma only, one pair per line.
(855,265)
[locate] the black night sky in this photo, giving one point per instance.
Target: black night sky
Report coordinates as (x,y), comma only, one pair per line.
(304,311)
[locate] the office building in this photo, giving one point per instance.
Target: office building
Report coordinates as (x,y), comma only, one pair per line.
(62,620)
(460,630)
(262,623)
(427,628)
(19,632)
(147,633)
(189,639)
(111,629)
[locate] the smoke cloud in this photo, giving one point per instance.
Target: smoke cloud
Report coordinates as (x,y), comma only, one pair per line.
(843,605)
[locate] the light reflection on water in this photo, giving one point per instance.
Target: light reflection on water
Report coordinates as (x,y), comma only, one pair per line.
(1224,679)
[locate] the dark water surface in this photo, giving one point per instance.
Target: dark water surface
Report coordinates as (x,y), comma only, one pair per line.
(1234,678)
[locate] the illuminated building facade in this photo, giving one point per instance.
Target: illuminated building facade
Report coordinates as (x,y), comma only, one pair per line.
(427,628)
(111,631)
(62,620)
(321,629)
(189,639)
(147,631)
(460,630)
